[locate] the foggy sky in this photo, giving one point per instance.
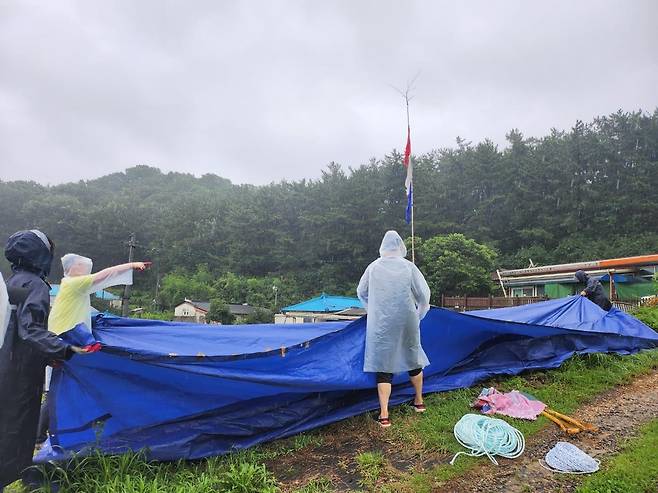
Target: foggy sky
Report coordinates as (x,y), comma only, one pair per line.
(257,91)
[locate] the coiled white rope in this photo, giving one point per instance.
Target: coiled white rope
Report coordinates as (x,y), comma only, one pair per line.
(488,436)
(568,459)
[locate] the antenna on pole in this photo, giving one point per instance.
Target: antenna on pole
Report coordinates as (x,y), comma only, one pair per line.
(409,182)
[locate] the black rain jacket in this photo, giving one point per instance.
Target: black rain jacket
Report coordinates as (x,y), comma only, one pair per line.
(594,290)
(27,348)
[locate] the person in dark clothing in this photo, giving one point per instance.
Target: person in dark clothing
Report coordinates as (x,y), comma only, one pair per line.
(593,290)
(26,349)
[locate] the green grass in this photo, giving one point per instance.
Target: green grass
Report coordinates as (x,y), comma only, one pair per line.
(634,470)
(370,465)
(130,473)
(564,389)
(649,315)
(317,485)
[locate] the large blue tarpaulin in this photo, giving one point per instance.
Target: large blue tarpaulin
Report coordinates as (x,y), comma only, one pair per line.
(180,390)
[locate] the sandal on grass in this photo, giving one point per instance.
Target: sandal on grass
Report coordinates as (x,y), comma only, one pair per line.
(384,422)
(420,408)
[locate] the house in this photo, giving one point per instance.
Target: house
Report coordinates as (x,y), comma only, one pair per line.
(625,279)
(322,308)
(197,311)
(192,311)
(101,295)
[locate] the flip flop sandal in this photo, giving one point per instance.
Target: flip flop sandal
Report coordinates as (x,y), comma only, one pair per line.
(384,422)
(420,408)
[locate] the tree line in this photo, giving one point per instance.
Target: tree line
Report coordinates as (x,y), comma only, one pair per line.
(578,194)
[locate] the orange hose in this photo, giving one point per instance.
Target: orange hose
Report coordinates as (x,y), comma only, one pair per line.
(639,260)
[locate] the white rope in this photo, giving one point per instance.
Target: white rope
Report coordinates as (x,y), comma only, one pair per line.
(488,436)
(566,458)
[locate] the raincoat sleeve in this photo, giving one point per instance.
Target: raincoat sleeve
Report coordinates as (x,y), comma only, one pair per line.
(112,276)
(362,289)
(32,316)
(421,292)
(591,286)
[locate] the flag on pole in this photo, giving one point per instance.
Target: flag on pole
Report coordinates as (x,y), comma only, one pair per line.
(409,180)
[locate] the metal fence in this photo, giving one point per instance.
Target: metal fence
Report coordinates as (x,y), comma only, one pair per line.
(626,306)
(467,303)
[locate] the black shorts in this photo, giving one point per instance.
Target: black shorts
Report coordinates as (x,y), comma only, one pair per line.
(388,377)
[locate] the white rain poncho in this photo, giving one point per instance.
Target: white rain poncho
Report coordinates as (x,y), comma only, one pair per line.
(72,305)
(396,297)
(5,310)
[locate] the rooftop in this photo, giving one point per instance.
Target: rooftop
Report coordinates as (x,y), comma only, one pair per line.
(234,308)
(325,303)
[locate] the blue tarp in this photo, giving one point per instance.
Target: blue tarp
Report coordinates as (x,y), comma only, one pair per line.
(190,391)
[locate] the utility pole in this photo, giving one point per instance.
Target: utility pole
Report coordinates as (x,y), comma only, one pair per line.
(275,288)
(126,290)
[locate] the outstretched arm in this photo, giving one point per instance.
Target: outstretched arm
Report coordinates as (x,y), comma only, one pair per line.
(106,274)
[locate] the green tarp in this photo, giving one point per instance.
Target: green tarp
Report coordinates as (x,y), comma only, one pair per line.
(632,291)
(556,290)
(625,291)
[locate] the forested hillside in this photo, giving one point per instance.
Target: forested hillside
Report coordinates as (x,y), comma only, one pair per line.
(588,192)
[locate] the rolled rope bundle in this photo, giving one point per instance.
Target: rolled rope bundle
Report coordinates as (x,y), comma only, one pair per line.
(483,435)
(567,458)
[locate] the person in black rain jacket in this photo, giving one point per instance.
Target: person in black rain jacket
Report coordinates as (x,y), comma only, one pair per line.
(26,349)
(593,290)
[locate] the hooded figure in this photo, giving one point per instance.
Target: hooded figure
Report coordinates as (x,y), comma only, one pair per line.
(70,316)
(593,290)
(396,297)
(26,349)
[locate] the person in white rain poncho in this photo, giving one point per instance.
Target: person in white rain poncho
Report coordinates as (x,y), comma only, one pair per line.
(396,297)
(72,306)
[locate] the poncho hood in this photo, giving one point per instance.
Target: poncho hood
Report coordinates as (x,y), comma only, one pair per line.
(392,245)
(30,250)
(582,276)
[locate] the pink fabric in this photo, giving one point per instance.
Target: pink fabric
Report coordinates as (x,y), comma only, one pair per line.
(513,404)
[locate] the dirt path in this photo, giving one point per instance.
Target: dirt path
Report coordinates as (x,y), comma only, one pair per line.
(618,413)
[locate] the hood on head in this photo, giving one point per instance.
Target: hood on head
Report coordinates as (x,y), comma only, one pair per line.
(582,276)
(392,245)
(30,250)
(83,265)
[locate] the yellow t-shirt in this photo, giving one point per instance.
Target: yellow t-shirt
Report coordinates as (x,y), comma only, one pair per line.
(72,305)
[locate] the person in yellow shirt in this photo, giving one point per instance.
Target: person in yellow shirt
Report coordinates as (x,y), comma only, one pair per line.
(72,306)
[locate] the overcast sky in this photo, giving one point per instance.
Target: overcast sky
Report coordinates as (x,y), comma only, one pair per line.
(259,91)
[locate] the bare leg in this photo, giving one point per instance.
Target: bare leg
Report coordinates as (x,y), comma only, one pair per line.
(417,382)
(384,392)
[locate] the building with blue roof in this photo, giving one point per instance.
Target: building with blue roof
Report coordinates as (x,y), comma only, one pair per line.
(322,308)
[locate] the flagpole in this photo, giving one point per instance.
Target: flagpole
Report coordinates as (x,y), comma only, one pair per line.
(413,240)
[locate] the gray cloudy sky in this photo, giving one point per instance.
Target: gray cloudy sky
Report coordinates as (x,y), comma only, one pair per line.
(266,90)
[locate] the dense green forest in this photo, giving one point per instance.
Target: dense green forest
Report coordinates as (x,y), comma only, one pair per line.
(571,195)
